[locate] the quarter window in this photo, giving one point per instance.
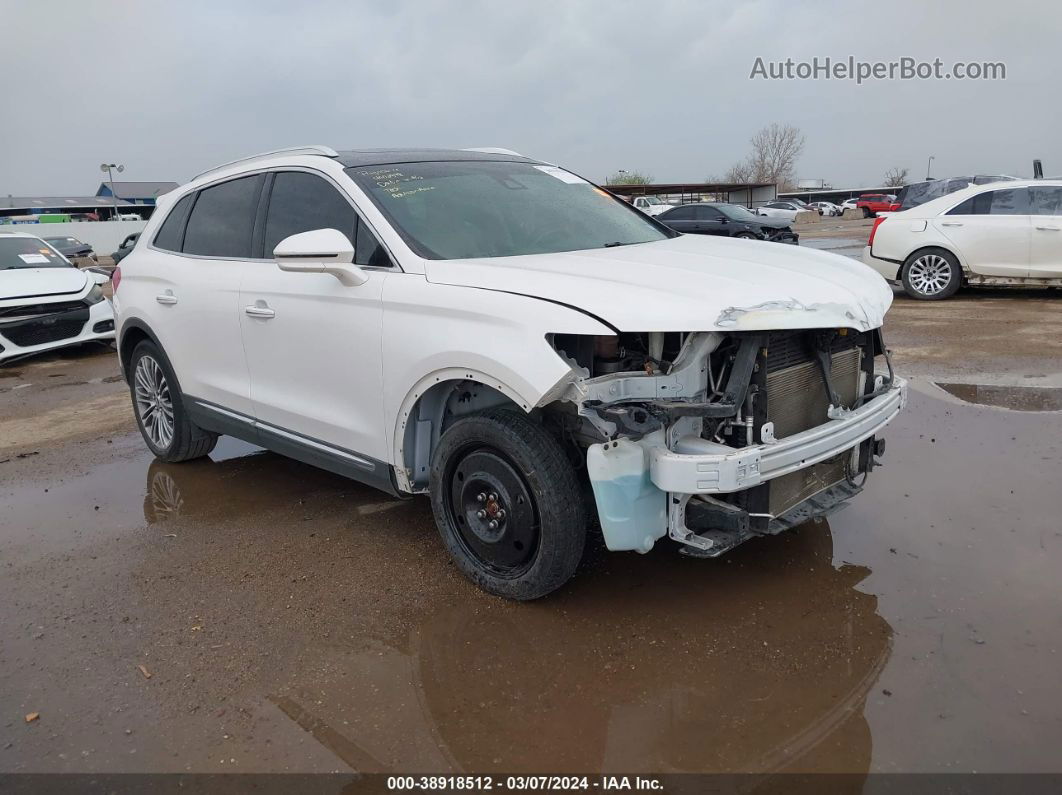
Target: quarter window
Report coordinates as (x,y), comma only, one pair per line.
(222,219)
(368,250)
(301,202)
(172,229)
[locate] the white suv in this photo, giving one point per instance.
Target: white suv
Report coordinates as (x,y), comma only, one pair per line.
(506,337)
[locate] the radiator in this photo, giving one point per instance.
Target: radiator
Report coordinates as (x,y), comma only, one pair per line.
(796,401)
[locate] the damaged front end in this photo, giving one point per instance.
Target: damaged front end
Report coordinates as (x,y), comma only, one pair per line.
(713,438)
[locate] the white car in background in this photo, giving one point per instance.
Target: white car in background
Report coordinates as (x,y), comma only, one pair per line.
(997,235)
(45,302)
(651,205)
(784,209)
(826,209)
(849,204)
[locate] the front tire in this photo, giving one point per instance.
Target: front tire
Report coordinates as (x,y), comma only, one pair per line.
(158,406)
(931,274)
(508,505)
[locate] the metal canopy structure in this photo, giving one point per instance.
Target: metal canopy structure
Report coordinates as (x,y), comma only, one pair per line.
(748,194)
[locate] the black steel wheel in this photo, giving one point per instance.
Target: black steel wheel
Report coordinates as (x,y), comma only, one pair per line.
(507,504)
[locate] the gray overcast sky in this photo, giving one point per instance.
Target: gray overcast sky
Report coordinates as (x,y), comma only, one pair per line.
(655,85)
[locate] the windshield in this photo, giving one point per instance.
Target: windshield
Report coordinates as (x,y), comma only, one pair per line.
(737,213)
(63,241)
(653,200)
(472,209)
(28,252)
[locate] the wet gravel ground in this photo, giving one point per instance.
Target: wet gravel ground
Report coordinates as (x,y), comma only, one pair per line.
(250,613)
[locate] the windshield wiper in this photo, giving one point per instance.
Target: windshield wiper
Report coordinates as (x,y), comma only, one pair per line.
(613,245)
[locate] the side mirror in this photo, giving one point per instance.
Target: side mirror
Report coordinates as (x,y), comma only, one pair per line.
(98,276)
(320,251)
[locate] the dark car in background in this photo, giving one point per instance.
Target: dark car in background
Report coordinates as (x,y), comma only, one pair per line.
(70,247)
(917,193)
(125,247)
(728,220)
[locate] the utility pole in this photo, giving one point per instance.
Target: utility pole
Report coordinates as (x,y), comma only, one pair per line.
(928,166)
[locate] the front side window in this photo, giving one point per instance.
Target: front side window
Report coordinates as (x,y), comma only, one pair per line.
(222,219)
(28,252)
(473,209)
(679,214)
(301,202)
(1045,200)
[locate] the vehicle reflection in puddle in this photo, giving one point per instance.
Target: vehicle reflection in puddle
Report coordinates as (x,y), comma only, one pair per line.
(1018,398)
(758,662)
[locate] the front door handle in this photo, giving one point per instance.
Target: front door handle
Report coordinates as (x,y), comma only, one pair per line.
(259,311)
(950,223)
(1049,228)
(167,298)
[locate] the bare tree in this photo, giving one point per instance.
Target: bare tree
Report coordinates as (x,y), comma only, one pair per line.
(896,177)
(775,151)
(630,178)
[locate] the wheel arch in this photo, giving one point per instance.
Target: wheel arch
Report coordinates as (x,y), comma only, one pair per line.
(132,333)
(432,405)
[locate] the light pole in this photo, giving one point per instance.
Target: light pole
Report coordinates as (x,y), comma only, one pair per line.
(928,166)
(106,167)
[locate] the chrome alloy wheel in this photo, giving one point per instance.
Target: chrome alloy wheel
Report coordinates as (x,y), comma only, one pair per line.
(153,403)
(930,274)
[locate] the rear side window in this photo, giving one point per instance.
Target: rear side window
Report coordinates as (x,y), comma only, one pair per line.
(301,202)
(680,214)
(995,202)
(222,219)
(172,229)
(1045,200)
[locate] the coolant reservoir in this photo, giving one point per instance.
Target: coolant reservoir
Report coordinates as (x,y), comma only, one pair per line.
(632,510)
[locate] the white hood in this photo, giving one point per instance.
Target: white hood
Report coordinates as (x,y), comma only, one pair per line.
(34,282)
(690,283)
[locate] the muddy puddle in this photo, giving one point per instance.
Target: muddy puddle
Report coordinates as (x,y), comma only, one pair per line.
(294,621)
(1017,398)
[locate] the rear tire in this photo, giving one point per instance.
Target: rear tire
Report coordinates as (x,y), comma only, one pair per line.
(158,406)
(931,274)
(508,505)
(746,236)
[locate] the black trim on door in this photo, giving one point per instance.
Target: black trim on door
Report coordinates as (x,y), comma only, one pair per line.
(314,452)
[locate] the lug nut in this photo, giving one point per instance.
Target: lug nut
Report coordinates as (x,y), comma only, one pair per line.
(492,497)
(492,524)
(501,513)
(481,497)
(481,514)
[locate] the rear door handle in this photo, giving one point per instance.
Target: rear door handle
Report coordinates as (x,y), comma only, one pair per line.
(950,223)
(166,298)
(1049,228)
(259,311)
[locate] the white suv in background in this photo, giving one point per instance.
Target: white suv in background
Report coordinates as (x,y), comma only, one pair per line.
(502,335)
(1004,234)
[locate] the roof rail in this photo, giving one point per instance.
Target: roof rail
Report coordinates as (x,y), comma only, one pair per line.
(325,151)
(491,150)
